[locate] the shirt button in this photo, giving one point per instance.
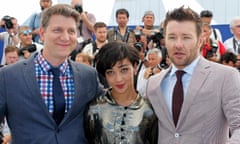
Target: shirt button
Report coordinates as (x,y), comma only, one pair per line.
(177,135)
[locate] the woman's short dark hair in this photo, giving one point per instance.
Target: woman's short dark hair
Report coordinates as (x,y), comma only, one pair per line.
(113,52)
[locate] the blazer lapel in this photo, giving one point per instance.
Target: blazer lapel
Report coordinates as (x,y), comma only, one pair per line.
(80,93)
(157,99)
(199,76)
(32,85)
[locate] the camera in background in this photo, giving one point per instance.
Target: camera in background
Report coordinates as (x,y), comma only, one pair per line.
(31,48)
(212,52)
(138,44)
(78,8)
(156,37)
(8,22)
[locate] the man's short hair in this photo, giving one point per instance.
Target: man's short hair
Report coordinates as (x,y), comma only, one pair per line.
(148,13)
(233,21)
(206,13)
(183,14)
(228,57)
(99,25)
(58,9)
(10,48)
(122,11)
(154,51)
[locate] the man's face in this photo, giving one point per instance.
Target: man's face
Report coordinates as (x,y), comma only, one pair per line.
(101,34)
(11,57)
(59,37)
(148,20)
(153,59)
(206,32)
(45,4)
(25,37)
(15,25)
(236,29)
(122,20)
(206,20)
(182,42)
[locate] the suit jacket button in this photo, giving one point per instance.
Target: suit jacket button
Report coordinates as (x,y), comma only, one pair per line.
(176,135)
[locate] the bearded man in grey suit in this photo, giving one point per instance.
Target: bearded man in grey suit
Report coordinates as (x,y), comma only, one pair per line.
(200,106)
(43,106)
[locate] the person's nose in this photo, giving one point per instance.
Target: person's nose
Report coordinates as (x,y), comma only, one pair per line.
(179,43)
(118,77)
(65,36)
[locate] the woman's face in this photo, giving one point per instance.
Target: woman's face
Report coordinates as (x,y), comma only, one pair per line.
(206,31)
(121,77)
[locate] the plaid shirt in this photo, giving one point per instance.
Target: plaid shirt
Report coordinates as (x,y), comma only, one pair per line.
(45,81)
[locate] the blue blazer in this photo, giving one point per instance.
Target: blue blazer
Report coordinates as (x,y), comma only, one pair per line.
(26,113)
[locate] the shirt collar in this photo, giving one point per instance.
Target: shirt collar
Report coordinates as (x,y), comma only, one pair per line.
(46,66)
(188,69)
(135,105)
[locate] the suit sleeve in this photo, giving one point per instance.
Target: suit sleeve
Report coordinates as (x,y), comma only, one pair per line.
(100,88)
(231,103)
(2,95)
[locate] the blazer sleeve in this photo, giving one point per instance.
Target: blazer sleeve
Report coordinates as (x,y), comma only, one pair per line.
(2,95)
(231,103)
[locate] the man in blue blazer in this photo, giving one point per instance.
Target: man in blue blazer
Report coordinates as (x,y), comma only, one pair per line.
(27,97)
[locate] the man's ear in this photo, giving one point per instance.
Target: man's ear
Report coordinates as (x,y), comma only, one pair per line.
(42,33)
(231,30)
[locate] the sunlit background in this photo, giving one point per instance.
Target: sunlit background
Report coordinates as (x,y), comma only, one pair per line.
(104,10)
(22,9)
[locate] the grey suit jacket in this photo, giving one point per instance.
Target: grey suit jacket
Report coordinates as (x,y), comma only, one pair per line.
(27,114)
(211,103)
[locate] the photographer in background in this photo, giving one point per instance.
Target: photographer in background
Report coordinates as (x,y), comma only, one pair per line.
(26,45)
(11,55)
(100,31)
(34,20)
(141,46)
(229,59)
(154,58)
(85,28)
(206,17)
(211,49)
(148,26)
(232,44)
(87,21)
(10,36)
(121,33)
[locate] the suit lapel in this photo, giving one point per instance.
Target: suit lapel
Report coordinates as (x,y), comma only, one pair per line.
(199,76)
(157,99)
(32,85)
(80,93)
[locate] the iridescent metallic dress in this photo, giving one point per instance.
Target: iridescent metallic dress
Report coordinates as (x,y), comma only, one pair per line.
(107,122)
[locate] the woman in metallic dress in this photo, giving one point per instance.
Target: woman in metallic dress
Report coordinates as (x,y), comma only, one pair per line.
(121,116)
